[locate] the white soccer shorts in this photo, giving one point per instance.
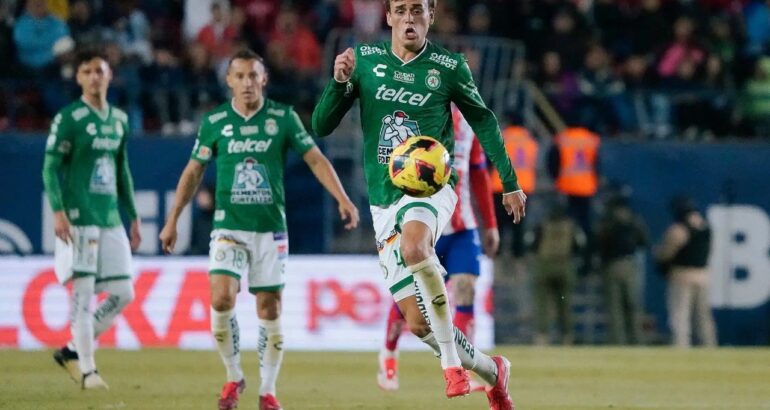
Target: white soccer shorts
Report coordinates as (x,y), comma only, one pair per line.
(102,252)
(434,211)
(260,255)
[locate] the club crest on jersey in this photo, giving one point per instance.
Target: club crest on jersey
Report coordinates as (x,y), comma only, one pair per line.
(250,184)
(271,127)
(395,129)
(432,80)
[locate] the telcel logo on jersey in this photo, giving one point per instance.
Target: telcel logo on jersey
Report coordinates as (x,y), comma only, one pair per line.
(248,145)
(105,144)
(401,95)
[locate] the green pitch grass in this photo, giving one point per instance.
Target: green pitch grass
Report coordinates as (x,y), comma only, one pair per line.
(542,378)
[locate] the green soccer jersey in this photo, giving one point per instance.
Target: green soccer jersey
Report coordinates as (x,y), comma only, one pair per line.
(399,100)
(250,154)
(87,148)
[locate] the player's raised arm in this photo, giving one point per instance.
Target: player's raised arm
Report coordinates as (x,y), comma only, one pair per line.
(338,95)
(484,123)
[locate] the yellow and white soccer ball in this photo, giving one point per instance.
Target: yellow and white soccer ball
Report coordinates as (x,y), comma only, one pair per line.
(420,166)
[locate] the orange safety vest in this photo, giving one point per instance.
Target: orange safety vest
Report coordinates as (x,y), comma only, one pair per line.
(577,175)
(522,150)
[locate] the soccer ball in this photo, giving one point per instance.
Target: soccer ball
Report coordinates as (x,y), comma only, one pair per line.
(419,166)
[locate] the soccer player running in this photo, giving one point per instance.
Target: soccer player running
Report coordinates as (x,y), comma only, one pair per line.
(87,149)
(249,137)
(458,249)
(415,76)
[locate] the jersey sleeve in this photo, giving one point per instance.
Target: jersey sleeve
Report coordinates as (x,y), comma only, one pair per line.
(299,139)
(58,147)
(203,150)
(484,124)
(125,180)
(336,100)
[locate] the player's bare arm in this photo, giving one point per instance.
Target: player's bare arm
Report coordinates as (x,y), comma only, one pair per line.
(344,64)
(135,236)
(324,172)
(61,226)
(185,189)
(515,204)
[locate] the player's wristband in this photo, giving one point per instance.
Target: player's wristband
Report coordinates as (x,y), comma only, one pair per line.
(513,192)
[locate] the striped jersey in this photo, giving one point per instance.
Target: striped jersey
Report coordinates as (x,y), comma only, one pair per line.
(467,155)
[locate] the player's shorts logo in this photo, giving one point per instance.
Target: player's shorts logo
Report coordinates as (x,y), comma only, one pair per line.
(395,129)
(432,80)
(250,184)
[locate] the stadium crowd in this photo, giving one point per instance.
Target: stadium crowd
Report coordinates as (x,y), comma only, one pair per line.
(692,69)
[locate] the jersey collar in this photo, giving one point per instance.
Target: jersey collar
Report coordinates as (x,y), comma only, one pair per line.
(403,63)
(240,114)
(102,114)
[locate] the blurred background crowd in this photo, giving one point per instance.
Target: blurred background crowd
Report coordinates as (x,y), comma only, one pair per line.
(692,69)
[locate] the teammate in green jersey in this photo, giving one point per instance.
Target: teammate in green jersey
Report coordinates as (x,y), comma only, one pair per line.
(87,149)
(405,87)
(249,137)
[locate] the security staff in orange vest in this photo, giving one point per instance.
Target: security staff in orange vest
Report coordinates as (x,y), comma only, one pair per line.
(572,162)
(522,150)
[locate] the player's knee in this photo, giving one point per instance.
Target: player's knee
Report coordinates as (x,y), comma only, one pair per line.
(416,252)
(222,301)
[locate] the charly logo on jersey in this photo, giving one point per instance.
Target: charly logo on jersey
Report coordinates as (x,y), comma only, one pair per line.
(103,176)
(271,127)
(91,129)
(250,184)
(379,70)
(395,129)
(433,79)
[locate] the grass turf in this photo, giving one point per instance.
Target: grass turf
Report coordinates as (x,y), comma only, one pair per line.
(542,378)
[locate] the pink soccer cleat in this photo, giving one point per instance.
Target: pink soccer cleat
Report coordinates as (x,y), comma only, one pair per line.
(228,399)
(269,402)
(498,396)
(457,383)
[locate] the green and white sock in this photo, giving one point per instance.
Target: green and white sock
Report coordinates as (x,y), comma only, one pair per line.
(224,327)
(270,349)
(432,300)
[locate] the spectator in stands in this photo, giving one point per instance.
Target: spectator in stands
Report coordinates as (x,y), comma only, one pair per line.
(611,23)
(757,22)
(755,99)
(197,13)
(555,243)
(449,23)
(684,254)
(219,35)
(604,106)
(131,31)
(683,49)
(558,84)
(620,236)
(84,29)
(566,39)
(651,109)
(165,78)
(479,20)
(39,36)
(125,87)
(201,82)
(649,28)
(7,46)
(367,19)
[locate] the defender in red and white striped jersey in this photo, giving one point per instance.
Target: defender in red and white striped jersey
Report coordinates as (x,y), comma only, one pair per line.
(458,248)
